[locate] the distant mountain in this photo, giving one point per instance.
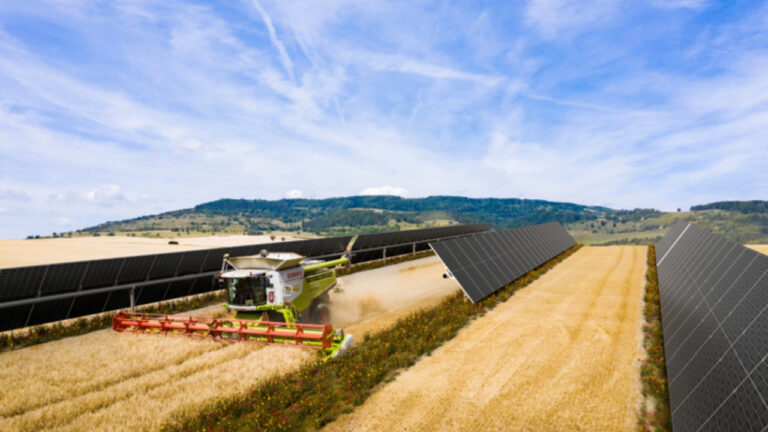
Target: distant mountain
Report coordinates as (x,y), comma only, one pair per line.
(355,214)
(738,206)
(502,212)
(743,222)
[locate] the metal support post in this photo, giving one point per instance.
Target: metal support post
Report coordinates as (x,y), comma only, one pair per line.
(133,299)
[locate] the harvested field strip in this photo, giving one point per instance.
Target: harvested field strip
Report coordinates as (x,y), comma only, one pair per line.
(763,249)
(562,354)
(654,413)
(317,393)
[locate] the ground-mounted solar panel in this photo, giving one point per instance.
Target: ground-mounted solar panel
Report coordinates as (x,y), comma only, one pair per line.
(165,265)
(369,241)
(135,269)
(102,273)
(21,282)
(63,277)
(88,305)
(33,285)
(714,309)
(214,259)
(485,262)
(49,311)
(14,317)
(313,247)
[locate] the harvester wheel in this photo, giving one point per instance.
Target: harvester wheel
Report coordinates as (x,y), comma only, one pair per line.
(321,314)
(274,316)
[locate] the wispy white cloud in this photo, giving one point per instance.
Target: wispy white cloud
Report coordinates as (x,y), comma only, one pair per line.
(105,194)
(61,221)
(13,195)
(385,190)
(285,59)
(675,4)
(554,18)
(294,194)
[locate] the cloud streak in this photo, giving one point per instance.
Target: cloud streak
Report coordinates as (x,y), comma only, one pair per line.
(160,106)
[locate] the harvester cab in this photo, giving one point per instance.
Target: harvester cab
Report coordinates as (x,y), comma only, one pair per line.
(280,298)
(281,287)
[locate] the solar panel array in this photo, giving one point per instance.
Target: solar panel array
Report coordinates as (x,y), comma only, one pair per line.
(714,306)
(84,287)
(484,263)
(369,247)
(79,277)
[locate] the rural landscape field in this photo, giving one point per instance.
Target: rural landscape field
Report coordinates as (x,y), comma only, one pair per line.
(403,215)
(563,353)
(104,380)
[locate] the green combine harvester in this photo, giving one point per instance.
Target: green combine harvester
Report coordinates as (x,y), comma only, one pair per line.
(280,298)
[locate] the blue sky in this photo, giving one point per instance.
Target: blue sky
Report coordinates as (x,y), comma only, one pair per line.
(110,110)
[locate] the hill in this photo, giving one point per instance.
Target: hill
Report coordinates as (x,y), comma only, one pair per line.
(746,207)
(356,214)
(742,222)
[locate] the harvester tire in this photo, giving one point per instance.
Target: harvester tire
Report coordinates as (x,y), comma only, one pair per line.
(321,314)
(274,316)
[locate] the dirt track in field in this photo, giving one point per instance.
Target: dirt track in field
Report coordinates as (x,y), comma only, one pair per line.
(375,299)
(109,381)
(561,354)
(763,249)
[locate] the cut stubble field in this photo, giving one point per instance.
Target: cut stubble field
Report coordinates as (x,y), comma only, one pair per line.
(14,253)
(109,381)
(561,354)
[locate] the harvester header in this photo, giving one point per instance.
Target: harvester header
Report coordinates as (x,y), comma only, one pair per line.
(279,298)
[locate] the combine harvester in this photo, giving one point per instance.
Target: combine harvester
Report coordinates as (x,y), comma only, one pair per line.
(280,298)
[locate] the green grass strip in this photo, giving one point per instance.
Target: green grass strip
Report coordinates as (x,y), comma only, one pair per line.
(653,370)
(319,392)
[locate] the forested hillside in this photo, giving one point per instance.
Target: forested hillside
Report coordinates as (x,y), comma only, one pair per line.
(744,222)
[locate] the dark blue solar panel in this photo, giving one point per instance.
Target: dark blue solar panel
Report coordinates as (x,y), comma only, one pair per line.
(102,273)
(63,277)
(14,317)
(714,301)
(21,282)
(485,262)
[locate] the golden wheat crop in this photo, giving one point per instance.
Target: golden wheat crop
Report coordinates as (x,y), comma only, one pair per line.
(561,354)
(109,381)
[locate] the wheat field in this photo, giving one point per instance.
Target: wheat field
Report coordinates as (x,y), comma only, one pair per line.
(562,354)
(113,381)
(109,381)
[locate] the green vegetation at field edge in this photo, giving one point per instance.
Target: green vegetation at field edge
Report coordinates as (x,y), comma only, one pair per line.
(653,369)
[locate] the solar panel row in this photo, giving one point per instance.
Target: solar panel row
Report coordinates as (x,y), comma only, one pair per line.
(27,282)
(714,305)
(484,263)
(42,280)
(370,247)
